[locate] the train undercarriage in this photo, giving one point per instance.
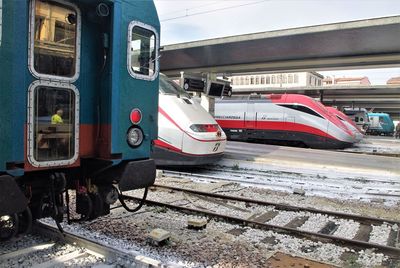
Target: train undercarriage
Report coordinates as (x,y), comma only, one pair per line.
(68,195)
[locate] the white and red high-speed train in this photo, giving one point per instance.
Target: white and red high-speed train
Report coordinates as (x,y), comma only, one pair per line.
(187,134)
(358,133)
(289,118)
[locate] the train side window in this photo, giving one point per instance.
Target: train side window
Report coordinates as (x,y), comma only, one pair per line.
(53,127)
(143,47)
(54,40)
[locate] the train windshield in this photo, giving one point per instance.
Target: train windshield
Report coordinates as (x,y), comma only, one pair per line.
(168,86)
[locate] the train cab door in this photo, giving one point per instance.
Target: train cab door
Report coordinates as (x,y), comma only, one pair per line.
(289,121)
(250,120)
(53,99)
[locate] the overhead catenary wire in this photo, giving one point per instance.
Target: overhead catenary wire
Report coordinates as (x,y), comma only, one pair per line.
(213,10)
(192,8)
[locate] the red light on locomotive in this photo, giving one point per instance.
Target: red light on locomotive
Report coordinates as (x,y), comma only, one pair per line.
(135,116)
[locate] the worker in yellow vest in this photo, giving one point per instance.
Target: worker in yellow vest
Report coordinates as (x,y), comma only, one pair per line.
(57,117)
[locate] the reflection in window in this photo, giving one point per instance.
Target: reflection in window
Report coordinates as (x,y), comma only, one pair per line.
(53,124)
(143,51)
(54,39)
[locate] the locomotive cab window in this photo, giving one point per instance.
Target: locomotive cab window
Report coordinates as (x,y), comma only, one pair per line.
(53,128)
(301,108)
(142,51)
(54,40)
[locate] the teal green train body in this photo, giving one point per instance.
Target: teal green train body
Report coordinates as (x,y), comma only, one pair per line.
(380,124)
(78,102)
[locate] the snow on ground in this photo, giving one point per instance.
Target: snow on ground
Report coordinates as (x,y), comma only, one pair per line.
(317,173)
(316,181)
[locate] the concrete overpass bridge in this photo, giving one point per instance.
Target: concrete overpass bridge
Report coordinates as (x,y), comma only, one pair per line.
(359,44)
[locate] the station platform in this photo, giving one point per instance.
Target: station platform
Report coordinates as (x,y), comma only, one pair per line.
(293,157)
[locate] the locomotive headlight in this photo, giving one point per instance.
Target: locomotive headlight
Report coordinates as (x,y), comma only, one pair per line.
(134,136)
(204,128)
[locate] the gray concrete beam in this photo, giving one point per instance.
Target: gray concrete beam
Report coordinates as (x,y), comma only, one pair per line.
(373,42)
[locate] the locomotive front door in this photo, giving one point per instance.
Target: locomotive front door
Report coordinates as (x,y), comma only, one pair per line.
(53,101)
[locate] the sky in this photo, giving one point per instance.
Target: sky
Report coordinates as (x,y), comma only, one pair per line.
(191,20)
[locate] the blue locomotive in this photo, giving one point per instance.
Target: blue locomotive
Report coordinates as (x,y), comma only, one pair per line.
(78,107)
(380,124)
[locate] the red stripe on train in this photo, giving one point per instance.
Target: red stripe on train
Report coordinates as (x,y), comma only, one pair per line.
(168,146)
(283,126)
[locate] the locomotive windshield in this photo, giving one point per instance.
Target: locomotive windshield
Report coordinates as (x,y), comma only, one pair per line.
(168,86)
(54,39)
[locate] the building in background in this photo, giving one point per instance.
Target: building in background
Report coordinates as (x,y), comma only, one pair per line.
(393,81)
(349,81)
(284,80)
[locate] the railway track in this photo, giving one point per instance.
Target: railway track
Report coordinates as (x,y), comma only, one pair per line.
(375,234)
(348,187)
(47,247)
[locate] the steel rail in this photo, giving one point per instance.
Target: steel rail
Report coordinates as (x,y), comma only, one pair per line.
(108,252)
(392,251)
(48,230)
(283,206)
